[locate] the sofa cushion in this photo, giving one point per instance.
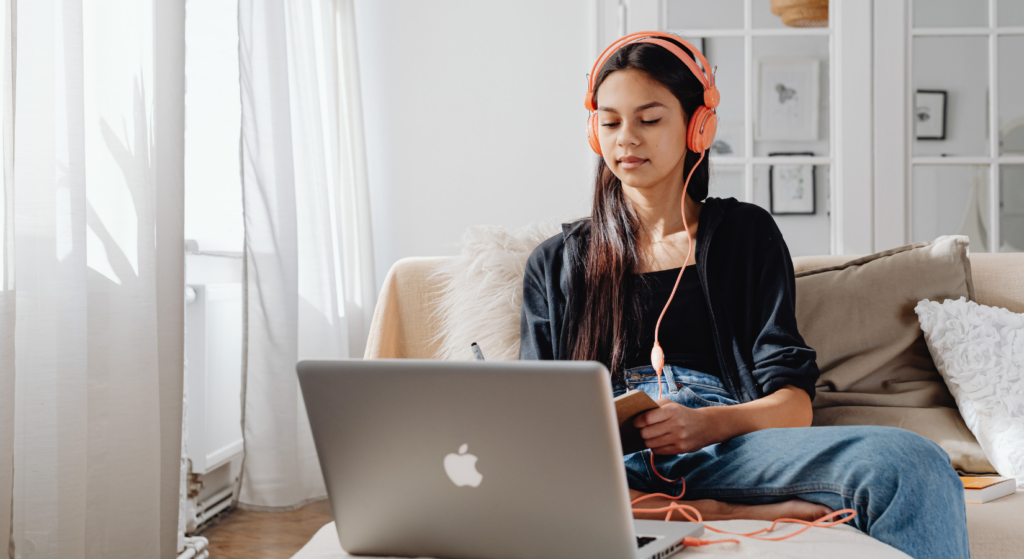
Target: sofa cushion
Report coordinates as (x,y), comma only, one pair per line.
(859,317)
(979,350)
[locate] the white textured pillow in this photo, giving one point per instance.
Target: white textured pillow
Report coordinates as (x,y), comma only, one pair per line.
(483,292)
(979,350)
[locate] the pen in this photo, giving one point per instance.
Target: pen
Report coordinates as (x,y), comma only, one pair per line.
(476,351)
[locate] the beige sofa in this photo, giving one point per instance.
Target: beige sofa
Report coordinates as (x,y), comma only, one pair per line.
(404,327)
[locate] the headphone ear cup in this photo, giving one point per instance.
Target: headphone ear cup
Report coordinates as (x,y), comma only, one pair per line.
(592,136)
(704,118)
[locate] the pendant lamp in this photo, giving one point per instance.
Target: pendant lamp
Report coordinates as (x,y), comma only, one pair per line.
(802,13)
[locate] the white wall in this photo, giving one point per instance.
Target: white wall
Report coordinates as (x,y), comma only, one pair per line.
(474,115)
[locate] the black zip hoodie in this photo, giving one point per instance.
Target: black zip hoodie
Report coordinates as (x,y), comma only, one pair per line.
(746,274)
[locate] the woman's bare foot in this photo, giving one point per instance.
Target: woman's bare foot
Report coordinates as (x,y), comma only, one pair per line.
(794,508)
(717,510)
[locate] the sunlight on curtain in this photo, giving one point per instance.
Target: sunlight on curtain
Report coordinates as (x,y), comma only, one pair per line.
(90,389)
(51,357)
(310,284)
(120,210)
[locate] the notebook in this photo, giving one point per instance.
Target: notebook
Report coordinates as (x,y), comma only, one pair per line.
(978,490)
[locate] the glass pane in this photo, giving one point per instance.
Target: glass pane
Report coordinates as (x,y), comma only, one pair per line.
(951,200)
(1010,13)
(763,17)
(700,14)
(791,95)
(726,181)
(798,198)
(951,13)
(1011,102)
(950,96)
(727,54)
(1011,208)
(213,113)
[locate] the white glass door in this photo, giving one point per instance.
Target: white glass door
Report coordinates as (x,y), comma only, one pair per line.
(775,134)
(966,133)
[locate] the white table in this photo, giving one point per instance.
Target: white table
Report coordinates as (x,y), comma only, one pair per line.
(838,542)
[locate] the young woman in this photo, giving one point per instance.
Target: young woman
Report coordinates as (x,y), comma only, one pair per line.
(738,379)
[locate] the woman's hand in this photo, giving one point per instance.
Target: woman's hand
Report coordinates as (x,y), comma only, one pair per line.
(676,429)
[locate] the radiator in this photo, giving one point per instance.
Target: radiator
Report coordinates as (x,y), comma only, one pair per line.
(213,347)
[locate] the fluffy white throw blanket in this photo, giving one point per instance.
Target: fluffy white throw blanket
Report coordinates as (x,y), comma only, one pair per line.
(979,350)
(484,291)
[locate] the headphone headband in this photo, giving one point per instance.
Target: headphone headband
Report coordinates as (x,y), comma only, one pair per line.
(703,73)
(700,132)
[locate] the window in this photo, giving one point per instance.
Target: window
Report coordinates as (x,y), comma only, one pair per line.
(213,113)
(967,122)
(776,113)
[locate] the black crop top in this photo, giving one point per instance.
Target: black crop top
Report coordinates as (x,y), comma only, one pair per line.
(686,332)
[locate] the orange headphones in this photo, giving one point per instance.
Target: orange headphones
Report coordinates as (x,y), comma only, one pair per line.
(704,122)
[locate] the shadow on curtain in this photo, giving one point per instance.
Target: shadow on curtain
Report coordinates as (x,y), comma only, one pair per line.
(308,247)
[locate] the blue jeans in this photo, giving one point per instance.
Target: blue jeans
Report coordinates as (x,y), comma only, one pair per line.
(901,484)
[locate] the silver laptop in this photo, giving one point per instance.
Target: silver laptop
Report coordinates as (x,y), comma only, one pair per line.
(478,460)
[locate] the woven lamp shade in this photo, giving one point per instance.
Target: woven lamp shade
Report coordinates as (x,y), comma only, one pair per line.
(802,13)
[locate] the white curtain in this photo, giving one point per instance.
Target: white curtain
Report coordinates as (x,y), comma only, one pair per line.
(7,303)
(91,307)
(308,249)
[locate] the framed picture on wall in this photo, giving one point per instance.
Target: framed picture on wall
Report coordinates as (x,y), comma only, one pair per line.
(788,99)
(791,187)
(930,114)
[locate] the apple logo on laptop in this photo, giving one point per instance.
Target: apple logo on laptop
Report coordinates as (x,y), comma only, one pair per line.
(461,468)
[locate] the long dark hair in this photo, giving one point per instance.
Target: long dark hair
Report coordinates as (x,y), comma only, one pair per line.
(605,298)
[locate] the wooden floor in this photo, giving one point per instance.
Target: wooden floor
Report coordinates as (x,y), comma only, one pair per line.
(245,534)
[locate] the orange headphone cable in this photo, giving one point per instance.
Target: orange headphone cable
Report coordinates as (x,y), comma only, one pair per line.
(826,521)
(657,355)
(658,361)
